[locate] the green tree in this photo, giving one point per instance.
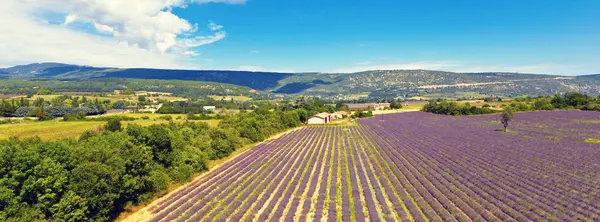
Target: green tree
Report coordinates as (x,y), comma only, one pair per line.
(302,115)
(290,119)
(71,207)
(43,92)
(506,117)
(119,105)
(113,125)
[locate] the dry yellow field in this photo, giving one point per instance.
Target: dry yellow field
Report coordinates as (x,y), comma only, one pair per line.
(152,116)
(89,97)
(53,130)
(235,98)
(409,108)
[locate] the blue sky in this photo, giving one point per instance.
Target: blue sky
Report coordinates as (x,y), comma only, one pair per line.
(558,37)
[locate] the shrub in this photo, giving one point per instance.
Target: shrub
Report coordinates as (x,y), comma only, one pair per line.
(119,105)
(74,116)
(87,134)
(24,112)
(44,118)
(168,118)
(113,125)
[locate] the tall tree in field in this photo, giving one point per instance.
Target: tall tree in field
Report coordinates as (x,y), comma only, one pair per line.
(114,125)
(506,117)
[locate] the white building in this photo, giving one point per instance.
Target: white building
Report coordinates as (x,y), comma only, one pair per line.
(209,108)
(321,118)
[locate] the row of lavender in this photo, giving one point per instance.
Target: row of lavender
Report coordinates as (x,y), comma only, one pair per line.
(461,168)
(408,167)
(317,173)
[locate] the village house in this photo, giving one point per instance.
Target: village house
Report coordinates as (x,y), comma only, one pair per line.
(321,118)
(150,109)
(209,108)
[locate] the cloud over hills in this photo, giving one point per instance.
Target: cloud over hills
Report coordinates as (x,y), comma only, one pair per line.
(132,33)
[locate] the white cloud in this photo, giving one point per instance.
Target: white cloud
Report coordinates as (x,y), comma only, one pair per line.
(191,53)
(200,40)
(362,63)
(105,29)
(147,24)
(135,33)
(213,26)
(222,1)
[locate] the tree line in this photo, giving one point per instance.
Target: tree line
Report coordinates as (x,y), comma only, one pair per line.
(572,100)
(100,174)
(453,108)
(56,107)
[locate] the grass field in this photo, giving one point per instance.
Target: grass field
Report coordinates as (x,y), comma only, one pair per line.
(172,98)
(457,95)
(592,140)
(410,108)
(54,130)
(152,116)
(89,97)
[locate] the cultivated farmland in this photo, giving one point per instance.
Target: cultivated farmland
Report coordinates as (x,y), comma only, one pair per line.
(407,167)
(54,130)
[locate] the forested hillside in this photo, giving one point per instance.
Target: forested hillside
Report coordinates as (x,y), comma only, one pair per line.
(177,87)
(378,83)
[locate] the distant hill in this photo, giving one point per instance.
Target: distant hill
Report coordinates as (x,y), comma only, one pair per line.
(255,80)
(378,83)
(593,76)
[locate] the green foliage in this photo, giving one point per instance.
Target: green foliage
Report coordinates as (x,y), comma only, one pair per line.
(191,116)
(395,105)
(506,118)
(119,105)
(109,85)
(87,134)
(168,118)
(453,108)
(113,125)
(302,115)
(492,99)
(99,175)
(44,118)
(43,92)
(74,116)
(111,117)
(572,100)
(197,106)
(363,114)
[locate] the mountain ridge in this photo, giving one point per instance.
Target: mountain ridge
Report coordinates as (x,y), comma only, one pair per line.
(374,82)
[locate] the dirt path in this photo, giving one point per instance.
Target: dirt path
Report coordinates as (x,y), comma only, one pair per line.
(143,213)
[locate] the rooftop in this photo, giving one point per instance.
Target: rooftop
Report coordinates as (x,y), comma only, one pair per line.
(322,115)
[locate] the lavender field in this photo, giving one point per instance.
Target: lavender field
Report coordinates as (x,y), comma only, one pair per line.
(408,167)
